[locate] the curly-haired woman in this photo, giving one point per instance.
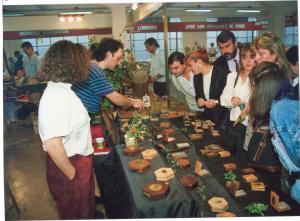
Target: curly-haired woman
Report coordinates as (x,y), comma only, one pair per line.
(65,132)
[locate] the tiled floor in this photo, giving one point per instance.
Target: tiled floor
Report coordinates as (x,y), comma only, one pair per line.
(25,172)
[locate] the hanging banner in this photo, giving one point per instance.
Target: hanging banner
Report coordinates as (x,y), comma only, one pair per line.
(198,27)
(10,35)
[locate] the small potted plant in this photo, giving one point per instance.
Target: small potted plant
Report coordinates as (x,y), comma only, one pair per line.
(135,131)
(256,208)
(231,177)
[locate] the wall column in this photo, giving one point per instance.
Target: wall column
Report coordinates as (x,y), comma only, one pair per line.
(119,22)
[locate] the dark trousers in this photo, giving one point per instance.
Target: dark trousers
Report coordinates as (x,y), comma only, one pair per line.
(160,88)
(238,132)
(75,199)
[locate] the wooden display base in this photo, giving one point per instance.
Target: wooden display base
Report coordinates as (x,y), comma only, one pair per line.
(156,190)
(226,214)
(164,174)
(167,139)
(248,170)
(218,204)
(199,171)
(182,146)
(132,150)
(250,178)
(179,155)
(184,163)
(139,165)
(190,182)
(276,204)
(149,154)
(165,124)
(258,186)
(237,184)
(229,166)
(195,137)
(215,133)
(168,131)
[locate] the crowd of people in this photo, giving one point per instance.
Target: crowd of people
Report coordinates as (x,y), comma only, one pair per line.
(248,88)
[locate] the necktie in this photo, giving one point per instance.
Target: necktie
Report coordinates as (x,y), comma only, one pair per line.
(237,68)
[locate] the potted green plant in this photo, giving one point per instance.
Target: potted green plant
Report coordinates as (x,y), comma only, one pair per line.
(231,177)
(135,130)
(257,208)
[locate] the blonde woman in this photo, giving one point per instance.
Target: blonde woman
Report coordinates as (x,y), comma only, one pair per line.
(269,47)
(236,96)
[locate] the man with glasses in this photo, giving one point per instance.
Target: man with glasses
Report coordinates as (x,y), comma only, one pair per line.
(229,59)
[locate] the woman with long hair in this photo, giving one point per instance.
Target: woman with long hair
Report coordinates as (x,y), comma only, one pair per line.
(64,128)
(236,96)
(209,82)
(274,103)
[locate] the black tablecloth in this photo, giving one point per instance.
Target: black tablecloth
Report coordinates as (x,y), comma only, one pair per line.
(121,188)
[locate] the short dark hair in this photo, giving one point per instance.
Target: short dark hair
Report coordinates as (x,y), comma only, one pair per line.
(176,56)
(26,44)
(225,36)
(17,53)
(66,62)
(106,45)
(151,41)
(92,49)
(292,54)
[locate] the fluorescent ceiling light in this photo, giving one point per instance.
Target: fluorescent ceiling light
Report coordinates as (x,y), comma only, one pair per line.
(13,14)
(75,13)
(249,11)
(197,10)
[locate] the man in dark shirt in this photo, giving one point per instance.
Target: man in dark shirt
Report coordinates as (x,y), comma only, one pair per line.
(292,56)
(229,59)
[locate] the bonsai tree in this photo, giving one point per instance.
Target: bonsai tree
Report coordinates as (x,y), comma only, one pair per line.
(257,208)
(230,176)
(136,128)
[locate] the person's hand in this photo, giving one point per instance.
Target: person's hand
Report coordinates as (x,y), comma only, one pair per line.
(72,174)
(236,101)
(152,94)
(211,103)
(151,79)
(201,102)
(137,103)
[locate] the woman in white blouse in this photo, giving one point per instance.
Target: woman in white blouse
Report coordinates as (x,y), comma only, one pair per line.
(64,129)
(236,96)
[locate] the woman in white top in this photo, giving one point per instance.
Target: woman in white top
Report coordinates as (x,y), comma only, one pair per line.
(65,132)
(236,95)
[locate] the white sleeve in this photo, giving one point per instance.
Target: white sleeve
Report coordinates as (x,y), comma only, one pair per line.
(55,116)
(227,93)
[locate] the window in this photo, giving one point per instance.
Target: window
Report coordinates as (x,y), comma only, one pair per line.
(138,39)
(291,30)
(41,45)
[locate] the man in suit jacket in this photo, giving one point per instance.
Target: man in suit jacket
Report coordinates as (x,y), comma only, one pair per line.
(229,59)
(292,56)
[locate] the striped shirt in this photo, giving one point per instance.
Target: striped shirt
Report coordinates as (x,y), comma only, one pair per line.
(92,91)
